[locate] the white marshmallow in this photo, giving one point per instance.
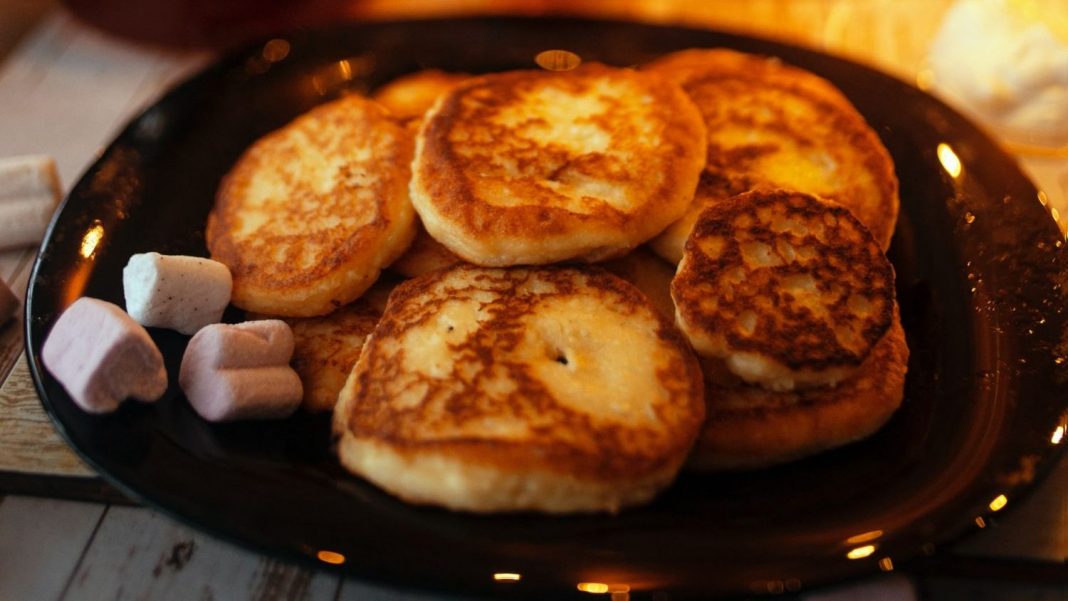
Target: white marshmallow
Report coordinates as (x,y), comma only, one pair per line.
(29,194)
(176,292)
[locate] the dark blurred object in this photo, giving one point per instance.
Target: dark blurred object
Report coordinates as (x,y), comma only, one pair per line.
(205,23)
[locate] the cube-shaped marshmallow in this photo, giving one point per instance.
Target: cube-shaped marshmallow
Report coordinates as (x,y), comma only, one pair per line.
(29,194)
(174,291)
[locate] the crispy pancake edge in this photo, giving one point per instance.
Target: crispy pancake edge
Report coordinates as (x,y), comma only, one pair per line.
(482,234)
(781,427)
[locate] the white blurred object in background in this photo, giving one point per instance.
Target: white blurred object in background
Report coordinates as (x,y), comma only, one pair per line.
(1005,62)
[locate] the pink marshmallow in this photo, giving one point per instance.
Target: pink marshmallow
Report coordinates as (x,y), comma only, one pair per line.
(234,372)
(101,357)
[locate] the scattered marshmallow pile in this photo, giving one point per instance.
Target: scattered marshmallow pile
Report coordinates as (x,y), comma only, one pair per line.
(103,355)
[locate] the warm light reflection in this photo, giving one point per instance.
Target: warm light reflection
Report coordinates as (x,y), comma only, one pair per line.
(345,68)
(925,79)
(865,537)
(999,503)
(886,564)
(506,577)
(330,557)
(950,161)
(1058,435)
(861,552)
(91,240)
(979,521)
(275,50)
(557,60)
(596,588)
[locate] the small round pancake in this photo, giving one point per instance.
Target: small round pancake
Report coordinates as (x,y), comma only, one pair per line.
(408,97)
(771,125)
(312,212)
(326,349)
(788,290)
(553,389)
(750,427)
(535,167)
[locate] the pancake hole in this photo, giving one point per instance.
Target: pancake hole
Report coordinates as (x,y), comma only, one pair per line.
(747,323)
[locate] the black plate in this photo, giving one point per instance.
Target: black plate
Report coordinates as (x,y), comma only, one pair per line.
(980,272)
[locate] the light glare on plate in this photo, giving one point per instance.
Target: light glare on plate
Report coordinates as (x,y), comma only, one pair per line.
(949,159)
(91,240)
(1058,435)
(331,557)
(864,537)
(999,502)
(861,552)
(506,577)
(596,588)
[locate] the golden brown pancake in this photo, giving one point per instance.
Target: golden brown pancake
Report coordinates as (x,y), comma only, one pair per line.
(534,167)
(771,125)
(408,97)
(750,427)
(312,212)
(550,389)
(423,256)
(788,290)
(327,348)
(650,274)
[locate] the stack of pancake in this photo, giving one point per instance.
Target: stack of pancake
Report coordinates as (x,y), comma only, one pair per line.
(598,275)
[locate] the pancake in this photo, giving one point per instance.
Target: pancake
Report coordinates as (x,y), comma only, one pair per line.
(326,349)
(423,256)
(312,212)
(650,274)
(408,97)
(788,290)
(535,167)
(771,125)
(750,427)
(553,389)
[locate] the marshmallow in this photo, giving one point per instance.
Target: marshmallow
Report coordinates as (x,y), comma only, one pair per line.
(176,292)
(101,357)
(233,372)
(29,194)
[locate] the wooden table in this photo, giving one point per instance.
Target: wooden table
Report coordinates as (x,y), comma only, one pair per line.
(63,549)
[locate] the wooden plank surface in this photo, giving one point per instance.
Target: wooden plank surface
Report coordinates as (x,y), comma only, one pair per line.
(140,554)
(37,534)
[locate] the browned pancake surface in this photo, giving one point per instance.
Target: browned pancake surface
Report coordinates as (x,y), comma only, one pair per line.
(311,212)
(786,278)
(750,427)
(564,376)
(771,125)
(532,167)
